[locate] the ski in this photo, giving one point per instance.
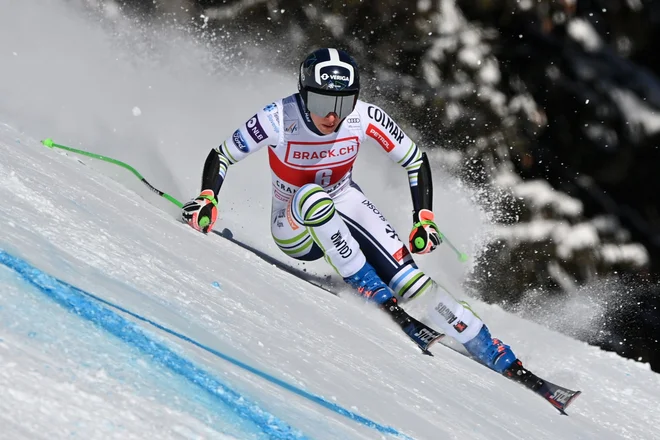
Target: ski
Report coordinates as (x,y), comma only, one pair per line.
(424,336)
(556,395)
(420,333)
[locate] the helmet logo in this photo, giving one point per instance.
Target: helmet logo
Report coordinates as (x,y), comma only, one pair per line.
(334,62)
(325,77)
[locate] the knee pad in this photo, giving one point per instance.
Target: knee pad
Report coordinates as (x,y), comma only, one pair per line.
(311,206)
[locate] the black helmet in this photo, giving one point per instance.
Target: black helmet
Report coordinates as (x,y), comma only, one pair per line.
(329,82)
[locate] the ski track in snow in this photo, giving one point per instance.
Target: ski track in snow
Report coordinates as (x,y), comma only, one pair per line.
(64,377)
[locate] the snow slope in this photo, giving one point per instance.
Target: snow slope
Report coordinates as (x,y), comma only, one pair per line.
(65,374)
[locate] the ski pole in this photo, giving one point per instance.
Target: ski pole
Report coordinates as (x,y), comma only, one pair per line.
(50,144)
(462,256)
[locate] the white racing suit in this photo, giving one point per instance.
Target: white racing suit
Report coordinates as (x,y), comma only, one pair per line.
(318,211)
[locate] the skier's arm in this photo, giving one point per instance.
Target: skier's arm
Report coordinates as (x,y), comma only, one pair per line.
(402,150)
(260,130)
(399,147)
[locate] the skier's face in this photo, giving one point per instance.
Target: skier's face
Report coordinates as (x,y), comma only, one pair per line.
(326,124)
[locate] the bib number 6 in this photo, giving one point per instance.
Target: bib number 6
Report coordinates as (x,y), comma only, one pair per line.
(323,177)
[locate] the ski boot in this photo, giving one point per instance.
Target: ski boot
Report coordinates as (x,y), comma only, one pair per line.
(369,285)
(491,351)
(520,374)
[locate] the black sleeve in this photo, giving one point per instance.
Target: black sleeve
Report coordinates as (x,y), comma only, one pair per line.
(422,193)
(214,171)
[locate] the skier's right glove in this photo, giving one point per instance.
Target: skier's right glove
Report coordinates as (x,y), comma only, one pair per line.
(201,212)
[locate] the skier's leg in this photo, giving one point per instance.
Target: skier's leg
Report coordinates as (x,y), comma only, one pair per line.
(394,264)
(309,227)
(458,320)
(381,244)
(292,238)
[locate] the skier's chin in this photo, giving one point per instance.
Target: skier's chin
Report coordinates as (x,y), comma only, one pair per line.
(328,129)
(327,124)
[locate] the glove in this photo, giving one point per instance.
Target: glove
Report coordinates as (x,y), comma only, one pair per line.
(202,212)
(425,235)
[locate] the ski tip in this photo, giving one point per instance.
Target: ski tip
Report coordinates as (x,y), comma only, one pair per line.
(48,142)
(562,409)
(572,399)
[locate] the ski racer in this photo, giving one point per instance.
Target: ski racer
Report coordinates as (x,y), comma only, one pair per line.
(313,138)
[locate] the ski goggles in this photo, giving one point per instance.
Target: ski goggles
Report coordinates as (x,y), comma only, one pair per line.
(321,105)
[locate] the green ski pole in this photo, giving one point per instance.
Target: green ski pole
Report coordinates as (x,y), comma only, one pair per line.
(50,144)
(462,256)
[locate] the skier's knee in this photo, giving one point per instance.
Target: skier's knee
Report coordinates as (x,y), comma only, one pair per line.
(312,206)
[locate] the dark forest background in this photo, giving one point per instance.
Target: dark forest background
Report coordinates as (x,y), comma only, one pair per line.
(553,108)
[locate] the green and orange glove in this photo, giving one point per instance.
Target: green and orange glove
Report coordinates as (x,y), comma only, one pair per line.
(201,212)
(425,235)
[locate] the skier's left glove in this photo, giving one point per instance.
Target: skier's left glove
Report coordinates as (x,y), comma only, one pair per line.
(201,212)
(425,235)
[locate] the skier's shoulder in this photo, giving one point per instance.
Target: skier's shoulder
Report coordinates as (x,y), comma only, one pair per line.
(369,111)
(269,117)
(291,106)
(361,108)
(378,125)
(290,100)
(272,108)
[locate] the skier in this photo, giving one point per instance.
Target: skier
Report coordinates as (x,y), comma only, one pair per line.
(313,137)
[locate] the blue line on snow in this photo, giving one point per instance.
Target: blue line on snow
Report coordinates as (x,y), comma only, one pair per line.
(76,300)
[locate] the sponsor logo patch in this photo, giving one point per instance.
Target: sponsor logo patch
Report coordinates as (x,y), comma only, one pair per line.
(321,155)
(425,335)
(341,245)
(561,396)
(280,196)
(291,127)
(389,230)
(284,187)
(289,218)
(460,326)
(379,116)
(255,129)
(326,76)
(274,119)
(400,254)
(330,152)
(239,141)
(380,137)
(369,204)
(445,312)
(278,219)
